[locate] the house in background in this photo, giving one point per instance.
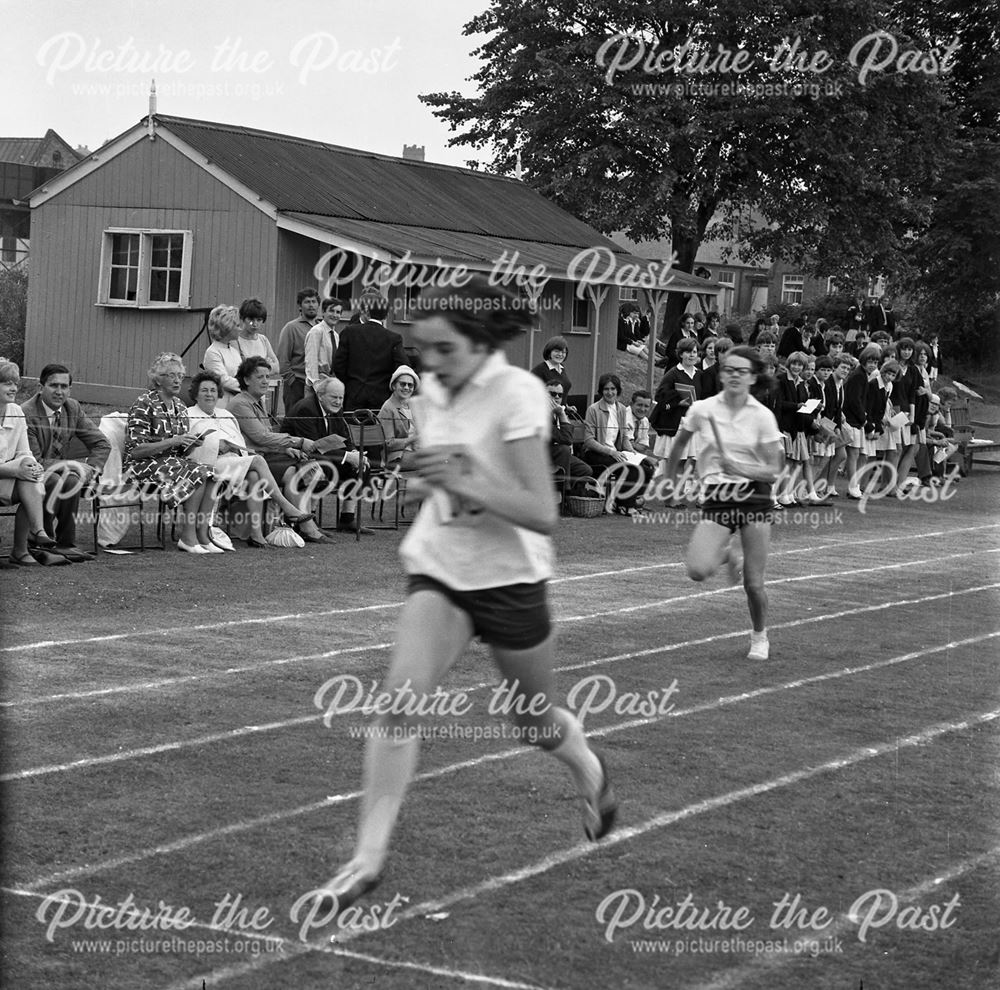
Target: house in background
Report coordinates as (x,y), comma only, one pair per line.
(132,247)
(25,163)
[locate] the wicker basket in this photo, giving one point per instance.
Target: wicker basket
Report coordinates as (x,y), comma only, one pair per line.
(584,507)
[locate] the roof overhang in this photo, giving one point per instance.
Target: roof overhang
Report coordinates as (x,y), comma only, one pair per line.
(599,264)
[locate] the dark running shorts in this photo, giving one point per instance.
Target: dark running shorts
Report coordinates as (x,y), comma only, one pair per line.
(735,506)
(514,617)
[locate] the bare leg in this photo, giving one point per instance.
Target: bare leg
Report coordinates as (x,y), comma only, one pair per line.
(188,516)
(30,517)
(708,549)
(756,539)
(204,509)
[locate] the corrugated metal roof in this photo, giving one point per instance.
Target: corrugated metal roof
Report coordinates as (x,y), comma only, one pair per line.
(456,247)
(21,151)
(301,175)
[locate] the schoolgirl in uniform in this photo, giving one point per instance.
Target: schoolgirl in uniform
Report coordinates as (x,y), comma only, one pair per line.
(478,557)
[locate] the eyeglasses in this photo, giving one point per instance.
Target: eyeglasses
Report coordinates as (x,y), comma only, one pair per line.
(730,370)
(556,395)
(176,376)
(404,385)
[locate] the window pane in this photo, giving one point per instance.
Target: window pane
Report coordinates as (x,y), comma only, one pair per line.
(174,287)
(160,254)
(125,249)
(176,251)
(158,286)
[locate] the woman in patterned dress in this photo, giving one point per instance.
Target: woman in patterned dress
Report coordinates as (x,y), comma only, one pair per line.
(157,437)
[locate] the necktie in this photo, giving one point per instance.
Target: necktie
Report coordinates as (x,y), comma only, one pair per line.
(57,439)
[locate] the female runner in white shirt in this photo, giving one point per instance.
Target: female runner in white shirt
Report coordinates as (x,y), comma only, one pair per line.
(478,556)
(736,483)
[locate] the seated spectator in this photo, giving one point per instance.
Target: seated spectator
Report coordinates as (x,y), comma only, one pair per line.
(55,420)
(322,342)
(395,415)
(834,342)
(318,418)
(637,425)
(606,446)
(288,456)
(223,355)
(158,438)
(251,341)
(553,365)
(225,450)
(569,469)
(21,479)
(938,446)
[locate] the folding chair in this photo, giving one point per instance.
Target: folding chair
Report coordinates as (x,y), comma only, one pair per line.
(368,435)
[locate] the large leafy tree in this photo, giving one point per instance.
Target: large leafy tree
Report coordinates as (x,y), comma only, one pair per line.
(837,180)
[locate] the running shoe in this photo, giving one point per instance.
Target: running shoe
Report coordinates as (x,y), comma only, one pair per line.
(599,814)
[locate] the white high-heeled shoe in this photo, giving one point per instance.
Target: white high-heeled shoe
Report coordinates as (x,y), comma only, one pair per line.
(211,548)
(196,548)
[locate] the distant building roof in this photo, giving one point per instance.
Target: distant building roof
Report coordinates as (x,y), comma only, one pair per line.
(50,151)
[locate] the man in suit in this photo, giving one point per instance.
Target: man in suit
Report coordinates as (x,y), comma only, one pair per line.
(857,313)
(881,317)
(54,421)
(322,343)
(367,356)
(317,417)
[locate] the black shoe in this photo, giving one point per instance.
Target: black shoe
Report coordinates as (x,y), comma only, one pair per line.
(41,539)
(47,559)
(599,818)
(73,554)
(363,530)
(344,889)
(310,538)
(258,544)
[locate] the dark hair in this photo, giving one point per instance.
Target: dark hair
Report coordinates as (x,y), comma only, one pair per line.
(557,343)
(904,342)
(891,364)
(734,332)
(306,293)
(373,304)
(761,321)
(833,337)
(766,337)
(685,317)
(871,353)
(204,376)
(704,345)
(253,309)
(486,314)
(639,393)
(329,302)
(824,362)
(248,366)
(608,379)
(685,345)
(799,321)
(921,348)
(723,344)
(714,316)
(54,369)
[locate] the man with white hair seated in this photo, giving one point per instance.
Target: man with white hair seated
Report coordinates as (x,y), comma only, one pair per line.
(318,418)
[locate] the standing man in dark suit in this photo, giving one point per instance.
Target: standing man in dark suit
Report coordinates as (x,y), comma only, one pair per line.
(881,317)
(857,314)
(367,356)
(54,420)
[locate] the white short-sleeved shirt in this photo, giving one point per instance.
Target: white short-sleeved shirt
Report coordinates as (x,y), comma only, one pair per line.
(470,550)
(742,433)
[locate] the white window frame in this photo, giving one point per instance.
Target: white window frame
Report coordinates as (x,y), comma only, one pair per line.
(728,294)
(792,285)
(142,300)
(628,293)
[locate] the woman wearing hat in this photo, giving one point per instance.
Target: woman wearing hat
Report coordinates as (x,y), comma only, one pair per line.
(395,415)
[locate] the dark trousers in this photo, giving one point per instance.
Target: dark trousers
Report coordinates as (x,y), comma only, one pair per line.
(62,500)
(567,467)
(294,389)
(628,479)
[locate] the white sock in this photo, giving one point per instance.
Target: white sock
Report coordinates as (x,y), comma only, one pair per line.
(756,637)
(389,768)
(577,754)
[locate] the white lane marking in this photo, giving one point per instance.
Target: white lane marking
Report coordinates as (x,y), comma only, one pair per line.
(246,730)
(374,647)
(296,616)
(245,825)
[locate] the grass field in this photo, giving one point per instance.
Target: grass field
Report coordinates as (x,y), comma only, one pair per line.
(161,743)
